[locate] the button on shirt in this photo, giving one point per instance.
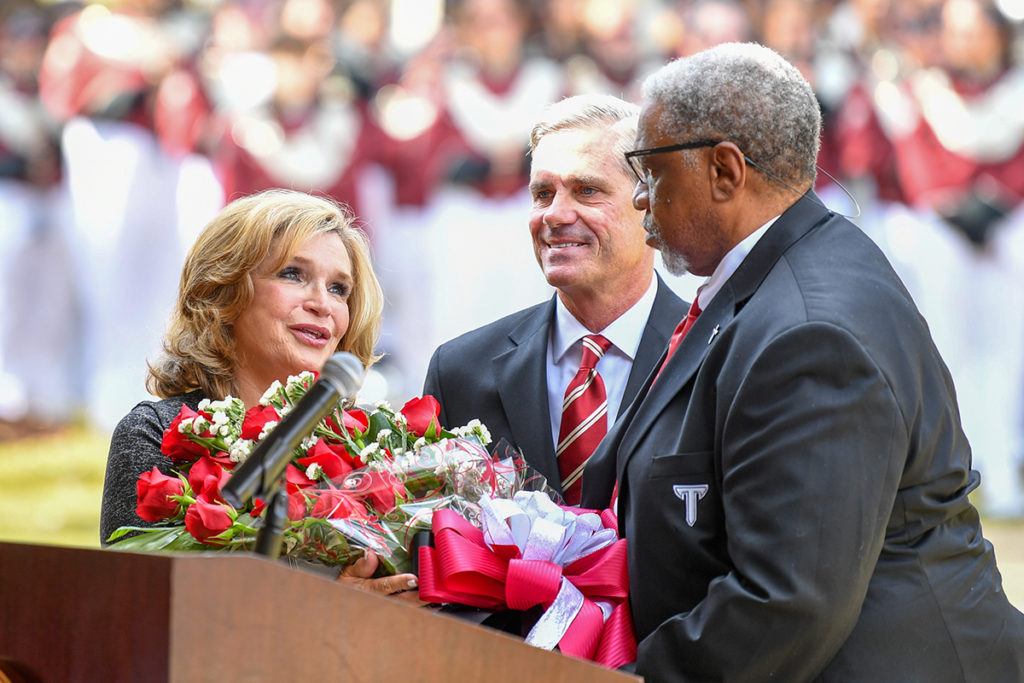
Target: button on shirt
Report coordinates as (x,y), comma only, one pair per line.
(565,348)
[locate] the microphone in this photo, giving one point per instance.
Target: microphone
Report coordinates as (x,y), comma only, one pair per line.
(340,377)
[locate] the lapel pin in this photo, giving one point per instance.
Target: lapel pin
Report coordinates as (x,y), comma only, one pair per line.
(713,333)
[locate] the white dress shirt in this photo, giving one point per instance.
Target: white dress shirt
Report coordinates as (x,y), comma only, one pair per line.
(565,348)
(728,265)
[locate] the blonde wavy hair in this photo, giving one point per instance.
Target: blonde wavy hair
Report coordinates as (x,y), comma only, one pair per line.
(216,286)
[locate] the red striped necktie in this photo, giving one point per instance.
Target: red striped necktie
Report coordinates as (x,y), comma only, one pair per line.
(584,418)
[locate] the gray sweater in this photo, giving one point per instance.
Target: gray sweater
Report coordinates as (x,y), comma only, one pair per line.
(134,449)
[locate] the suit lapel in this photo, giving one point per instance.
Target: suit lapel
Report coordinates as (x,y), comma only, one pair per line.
(522,386)
(666,313)
(681,367)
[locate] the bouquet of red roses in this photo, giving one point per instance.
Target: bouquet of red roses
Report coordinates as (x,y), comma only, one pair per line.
(362,479)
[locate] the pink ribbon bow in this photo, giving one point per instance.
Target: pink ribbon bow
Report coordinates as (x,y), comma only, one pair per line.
(529,553)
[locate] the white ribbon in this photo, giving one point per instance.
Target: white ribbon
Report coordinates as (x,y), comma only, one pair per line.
(544,531)
(555,621)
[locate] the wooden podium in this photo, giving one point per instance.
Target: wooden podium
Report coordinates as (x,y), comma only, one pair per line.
(75,614)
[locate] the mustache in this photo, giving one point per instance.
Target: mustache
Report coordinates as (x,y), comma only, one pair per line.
(650,227)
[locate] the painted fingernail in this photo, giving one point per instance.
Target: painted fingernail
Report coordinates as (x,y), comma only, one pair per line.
(413,583)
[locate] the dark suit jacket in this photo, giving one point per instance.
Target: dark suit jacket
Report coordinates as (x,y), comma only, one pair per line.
(794,486)
(497,374)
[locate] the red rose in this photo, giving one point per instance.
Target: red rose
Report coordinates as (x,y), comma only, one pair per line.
(224,459)
(255,419)
(297,506)
(296,479)
(206,476)
(380,490)
(421,414)
(332,458)
(335,504)
(179,447)
(154,489)
(205,519)
(355,421)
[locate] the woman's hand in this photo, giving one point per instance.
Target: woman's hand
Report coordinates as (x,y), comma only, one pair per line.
(359,574)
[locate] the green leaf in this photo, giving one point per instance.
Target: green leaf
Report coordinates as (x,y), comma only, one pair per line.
(378,421)
(153,539)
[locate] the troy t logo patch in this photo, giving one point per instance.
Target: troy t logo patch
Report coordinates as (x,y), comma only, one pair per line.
(690,494)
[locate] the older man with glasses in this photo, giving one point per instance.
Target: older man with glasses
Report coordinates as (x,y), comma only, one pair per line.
(793,484)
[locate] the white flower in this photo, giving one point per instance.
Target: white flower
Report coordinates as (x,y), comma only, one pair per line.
(221,406)
(296,386)
(302,377)
(309,442)
(204,405)
(270,393)
(240,450)
(195,425)
(479,428)
(382,435)
(225,430)
(420,443)
(267,428)
(370,449)
(383,405)
(314,471)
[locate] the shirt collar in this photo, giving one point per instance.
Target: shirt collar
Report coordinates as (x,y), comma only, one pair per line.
(728,265)
(624,332)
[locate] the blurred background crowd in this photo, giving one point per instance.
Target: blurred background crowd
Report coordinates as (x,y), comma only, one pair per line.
(126,124)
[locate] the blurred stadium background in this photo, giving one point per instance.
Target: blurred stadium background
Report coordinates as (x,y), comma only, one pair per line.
(125,124)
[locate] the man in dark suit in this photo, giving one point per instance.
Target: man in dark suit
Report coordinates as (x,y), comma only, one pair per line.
(590,244)
(794,483)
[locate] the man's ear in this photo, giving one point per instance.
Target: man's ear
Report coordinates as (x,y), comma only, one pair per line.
(728,171)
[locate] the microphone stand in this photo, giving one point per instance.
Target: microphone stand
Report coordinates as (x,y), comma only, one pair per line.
(270,537)
(263,472)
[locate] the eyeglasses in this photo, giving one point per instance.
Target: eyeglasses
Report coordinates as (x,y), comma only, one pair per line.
(640,173)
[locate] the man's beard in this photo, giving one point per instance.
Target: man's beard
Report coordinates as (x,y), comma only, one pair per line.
(674,263)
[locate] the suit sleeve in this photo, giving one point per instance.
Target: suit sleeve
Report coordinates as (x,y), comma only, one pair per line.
(432,384)
(812,447)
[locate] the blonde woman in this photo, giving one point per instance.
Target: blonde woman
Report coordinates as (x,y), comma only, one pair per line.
(273,286)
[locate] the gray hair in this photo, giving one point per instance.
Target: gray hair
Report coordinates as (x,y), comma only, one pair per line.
(747,94)
(606,112)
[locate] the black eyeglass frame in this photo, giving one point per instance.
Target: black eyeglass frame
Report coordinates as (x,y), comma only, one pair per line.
(664,148)
(711,143)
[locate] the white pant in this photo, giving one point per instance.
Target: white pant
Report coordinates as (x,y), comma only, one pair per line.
(131,214)
(974,304)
